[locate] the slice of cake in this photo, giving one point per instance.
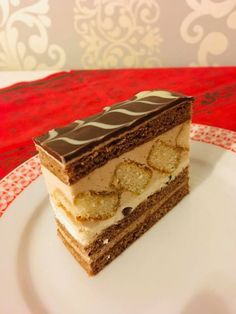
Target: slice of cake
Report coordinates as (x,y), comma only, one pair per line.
(113,175)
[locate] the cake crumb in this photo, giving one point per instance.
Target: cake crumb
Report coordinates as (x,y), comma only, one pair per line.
(105,241)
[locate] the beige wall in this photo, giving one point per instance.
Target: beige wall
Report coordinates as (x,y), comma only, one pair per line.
(56,34)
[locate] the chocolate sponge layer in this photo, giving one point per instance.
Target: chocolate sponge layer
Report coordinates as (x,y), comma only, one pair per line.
(84,164)
(115,239)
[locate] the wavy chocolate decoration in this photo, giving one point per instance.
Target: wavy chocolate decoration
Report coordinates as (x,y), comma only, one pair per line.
(85,134)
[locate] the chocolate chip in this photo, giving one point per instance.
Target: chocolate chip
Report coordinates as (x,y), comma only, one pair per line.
(126,211)
(170,177)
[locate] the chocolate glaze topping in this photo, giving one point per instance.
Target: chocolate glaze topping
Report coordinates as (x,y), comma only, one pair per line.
(82,135)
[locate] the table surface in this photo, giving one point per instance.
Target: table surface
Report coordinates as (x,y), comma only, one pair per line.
(49,99)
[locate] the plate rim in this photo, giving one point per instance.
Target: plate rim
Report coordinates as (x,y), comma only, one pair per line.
(16,181)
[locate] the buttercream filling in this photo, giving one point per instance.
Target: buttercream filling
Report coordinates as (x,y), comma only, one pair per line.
(100,179)
(86,232)
(107,245)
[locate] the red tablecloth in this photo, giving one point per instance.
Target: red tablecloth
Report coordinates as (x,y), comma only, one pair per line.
(30,109)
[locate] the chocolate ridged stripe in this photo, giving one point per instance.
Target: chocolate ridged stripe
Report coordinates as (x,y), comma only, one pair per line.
(83,135)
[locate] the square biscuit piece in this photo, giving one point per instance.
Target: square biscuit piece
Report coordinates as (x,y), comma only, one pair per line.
(113,175)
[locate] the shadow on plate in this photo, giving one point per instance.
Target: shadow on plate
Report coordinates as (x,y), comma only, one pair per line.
(203,159)
(30,296)
(206,302)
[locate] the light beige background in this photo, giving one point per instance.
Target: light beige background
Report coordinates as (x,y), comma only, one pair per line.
(81,34)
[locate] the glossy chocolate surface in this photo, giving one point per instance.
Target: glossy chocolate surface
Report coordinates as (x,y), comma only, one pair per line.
(82,135)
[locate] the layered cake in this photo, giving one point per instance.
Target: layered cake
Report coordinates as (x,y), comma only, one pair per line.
(113,175)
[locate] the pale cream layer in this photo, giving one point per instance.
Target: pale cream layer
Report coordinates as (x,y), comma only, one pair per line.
(99,180)
(108,245)
(86,232)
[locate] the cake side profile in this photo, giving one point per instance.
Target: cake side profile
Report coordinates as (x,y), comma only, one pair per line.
(115,174)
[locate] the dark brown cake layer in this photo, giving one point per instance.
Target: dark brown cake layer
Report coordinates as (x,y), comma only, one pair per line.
(75,253)
(152,200)
(98,264)
(79,137)
(116,232)
(101,154)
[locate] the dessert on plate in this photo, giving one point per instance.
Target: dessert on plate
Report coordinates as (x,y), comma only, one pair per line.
(113,175)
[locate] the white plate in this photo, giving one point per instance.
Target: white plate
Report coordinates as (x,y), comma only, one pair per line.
(184,264)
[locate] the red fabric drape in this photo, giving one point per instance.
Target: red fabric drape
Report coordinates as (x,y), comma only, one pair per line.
(30,109)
